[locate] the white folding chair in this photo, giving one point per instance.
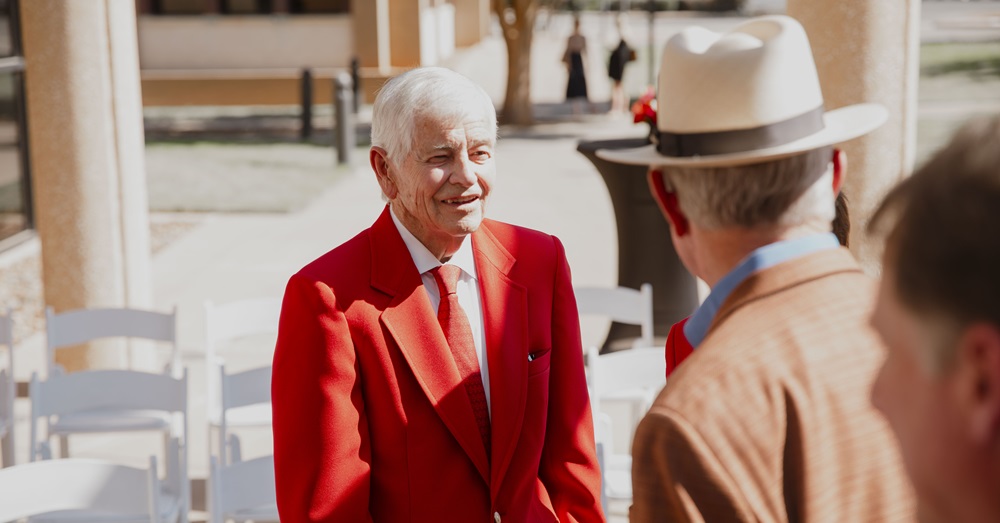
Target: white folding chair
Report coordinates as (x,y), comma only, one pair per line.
(240,391)
(158,402)
(7,391)
(621,304)
(81,490)
(242,491)
(83,325)
(633,377)
(241,399)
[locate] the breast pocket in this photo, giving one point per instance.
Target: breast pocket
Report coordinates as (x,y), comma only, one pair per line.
(538,361)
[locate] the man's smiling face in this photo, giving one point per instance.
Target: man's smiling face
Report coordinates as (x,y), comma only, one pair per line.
(439,190)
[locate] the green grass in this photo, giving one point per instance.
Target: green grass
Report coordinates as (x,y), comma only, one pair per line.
(237,177)
(976,58)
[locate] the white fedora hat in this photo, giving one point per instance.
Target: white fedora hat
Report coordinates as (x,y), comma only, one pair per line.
(741,97)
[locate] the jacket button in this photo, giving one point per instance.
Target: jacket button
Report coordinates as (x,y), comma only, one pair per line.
(496,517)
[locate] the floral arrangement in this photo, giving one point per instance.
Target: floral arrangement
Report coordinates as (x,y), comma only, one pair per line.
(644,110)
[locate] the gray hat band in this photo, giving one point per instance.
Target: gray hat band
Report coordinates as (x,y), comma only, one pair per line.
(741,140)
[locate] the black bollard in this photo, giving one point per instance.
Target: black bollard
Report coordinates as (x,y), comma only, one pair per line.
(306,93)
(343,94)
(356,78)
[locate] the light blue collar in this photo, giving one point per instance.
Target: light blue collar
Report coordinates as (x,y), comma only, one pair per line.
(765,257)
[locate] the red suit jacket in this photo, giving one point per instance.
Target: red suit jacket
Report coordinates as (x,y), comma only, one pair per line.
(678,347)
(371,422)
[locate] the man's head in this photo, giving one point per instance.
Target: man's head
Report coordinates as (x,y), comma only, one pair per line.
(744,139)
(433,141)
(938,312)
(759,201)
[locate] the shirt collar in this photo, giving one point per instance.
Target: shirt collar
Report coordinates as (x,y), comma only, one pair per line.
(426,261)
(762,258)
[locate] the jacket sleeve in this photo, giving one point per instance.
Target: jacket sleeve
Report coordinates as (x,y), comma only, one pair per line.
(677,477)
(322,454)
(569,468)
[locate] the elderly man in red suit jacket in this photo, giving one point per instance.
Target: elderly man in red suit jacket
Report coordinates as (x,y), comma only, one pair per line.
(430,368)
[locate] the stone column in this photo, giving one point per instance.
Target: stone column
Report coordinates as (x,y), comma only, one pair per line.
(405,26)
(868,51)
(85,114)
(371,33)
(472,21)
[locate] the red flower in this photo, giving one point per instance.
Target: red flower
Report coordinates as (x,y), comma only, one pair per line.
(644,109)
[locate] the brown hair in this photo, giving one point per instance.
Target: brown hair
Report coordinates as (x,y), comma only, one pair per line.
(842,220)
(944,245)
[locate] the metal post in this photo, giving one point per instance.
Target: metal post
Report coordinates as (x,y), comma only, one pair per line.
(343,94)
(356,78)
(651,6)
(306,96)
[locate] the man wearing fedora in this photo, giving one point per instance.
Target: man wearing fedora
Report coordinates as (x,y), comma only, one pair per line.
(769,417)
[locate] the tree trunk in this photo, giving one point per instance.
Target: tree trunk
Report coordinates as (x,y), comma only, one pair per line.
(517,20)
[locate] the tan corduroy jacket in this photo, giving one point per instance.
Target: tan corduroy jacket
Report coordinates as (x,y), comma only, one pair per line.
(770,420)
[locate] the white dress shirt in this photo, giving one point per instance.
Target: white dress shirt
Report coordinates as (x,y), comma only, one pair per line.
(468,289)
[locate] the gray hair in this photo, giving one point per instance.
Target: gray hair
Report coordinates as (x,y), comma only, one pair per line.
(421,91)
(787,192)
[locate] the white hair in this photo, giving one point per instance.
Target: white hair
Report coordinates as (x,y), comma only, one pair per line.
(423,91)
(784,192)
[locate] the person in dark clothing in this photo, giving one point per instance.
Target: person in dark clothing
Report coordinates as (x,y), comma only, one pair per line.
(620,56)
(576,48)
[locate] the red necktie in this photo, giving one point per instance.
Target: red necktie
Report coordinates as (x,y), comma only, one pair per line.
(457,331)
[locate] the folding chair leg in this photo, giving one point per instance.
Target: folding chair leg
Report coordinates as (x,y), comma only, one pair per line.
(64,446)
(7,449)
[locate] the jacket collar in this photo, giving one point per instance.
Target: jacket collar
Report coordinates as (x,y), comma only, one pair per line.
(785,275)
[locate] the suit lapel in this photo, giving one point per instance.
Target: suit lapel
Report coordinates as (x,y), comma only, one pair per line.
(505,318)
(412,323)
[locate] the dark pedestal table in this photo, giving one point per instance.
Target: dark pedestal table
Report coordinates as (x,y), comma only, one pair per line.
(645,252)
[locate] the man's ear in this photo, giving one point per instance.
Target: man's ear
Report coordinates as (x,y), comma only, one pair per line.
(839,170)
(667,201)
(978,361)
(379,159)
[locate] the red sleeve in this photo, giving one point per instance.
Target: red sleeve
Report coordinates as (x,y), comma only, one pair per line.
(678,348)
(322,455)
(569,468)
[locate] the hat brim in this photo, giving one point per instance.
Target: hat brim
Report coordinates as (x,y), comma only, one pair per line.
(840,125)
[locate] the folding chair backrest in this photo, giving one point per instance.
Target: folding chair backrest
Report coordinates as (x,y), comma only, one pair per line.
(630,369)
(240,319)
(245,388)
(621,304)
(79,484)
(83,325)
(104,391)
(231,322)
(107,389)
(242,486)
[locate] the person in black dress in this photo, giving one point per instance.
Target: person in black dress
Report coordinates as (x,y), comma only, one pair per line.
(621,55)
(576,87)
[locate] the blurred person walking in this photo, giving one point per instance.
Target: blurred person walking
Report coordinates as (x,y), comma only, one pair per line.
(769,417)
(573,58)
(938,311)
(620,57)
